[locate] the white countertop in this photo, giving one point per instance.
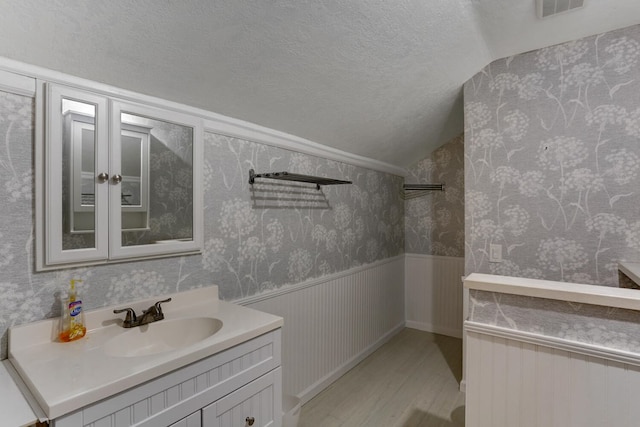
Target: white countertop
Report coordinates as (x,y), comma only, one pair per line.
(607,296)
(64,377)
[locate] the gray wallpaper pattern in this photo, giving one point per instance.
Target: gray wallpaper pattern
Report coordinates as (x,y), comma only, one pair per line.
(613,328)
(434,222)
(261,236)
(552,160)
(256,239)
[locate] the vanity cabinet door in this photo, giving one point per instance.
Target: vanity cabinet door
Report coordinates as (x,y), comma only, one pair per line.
(257,404)
(193,420)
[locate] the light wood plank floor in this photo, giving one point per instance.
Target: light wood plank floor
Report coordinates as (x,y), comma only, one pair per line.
(411,381)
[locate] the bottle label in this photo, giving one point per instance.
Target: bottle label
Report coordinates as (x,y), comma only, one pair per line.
(75,308)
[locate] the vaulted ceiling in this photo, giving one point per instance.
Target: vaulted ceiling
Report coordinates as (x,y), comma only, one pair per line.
(381,79)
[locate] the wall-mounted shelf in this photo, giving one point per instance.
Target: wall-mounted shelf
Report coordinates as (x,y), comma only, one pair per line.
(423,187)
(286,176)
(419,190)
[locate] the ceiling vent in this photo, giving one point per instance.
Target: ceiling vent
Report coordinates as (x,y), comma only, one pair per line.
(552,7)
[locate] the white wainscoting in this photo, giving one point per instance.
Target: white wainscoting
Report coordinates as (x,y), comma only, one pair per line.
(332,323)
(522,379)
(433,293)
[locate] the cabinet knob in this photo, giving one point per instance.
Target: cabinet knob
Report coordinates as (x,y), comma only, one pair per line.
(250,420)
(117,179)
(103,177)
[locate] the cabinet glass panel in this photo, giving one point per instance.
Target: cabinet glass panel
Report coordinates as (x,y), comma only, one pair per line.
(78,175)
(157,181)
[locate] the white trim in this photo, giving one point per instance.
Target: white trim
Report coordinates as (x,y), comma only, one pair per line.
(39,178)
(312,282)
(324,382)
(116,250)
(255,133)
(51,149)
(214,122)
(17,84)
(435,329)
(607,296)
(427,256)
(553,342)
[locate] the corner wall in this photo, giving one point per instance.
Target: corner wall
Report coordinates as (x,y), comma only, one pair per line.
(434,242)
(552,161)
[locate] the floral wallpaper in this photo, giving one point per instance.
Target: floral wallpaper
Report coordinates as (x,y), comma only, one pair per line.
(434,221)
(613,328)
(271,233)
(257,238)
(552,160)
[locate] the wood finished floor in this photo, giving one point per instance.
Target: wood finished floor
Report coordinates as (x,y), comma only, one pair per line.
(411,381)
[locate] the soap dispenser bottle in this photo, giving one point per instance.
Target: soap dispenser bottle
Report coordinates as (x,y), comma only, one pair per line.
(72,325)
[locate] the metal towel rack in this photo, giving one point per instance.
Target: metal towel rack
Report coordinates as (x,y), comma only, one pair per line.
(286,176)
(419,190)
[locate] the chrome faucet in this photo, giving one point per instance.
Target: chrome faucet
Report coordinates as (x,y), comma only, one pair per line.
(150,315)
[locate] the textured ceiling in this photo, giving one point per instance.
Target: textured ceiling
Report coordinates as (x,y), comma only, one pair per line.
(377,78)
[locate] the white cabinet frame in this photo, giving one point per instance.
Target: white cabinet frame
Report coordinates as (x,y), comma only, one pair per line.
(116,250)
(53,169)
(108,209)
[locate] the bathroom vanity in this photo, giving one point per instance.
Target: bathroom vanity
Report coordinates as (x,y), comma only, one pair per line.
(208,363)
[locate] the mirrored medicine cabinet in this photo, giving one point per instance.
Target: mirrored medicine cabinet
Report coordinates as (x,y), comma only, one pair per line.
(115,179)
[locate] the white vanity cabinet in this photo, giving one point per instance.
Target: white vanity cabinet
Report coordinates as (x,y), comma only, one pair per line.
(238,387)
(255,399)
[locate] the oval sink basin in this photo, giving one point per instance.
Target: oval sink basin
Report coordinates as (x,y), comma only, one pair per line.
(162,336)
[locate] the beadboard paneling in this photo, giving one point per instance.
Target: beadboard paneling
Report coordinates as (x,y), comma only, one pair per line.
(512,381)
(336,322)
(433,293)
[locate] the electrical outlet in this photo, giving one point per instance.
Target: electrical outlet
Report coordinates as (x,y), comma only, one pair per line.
(495,253)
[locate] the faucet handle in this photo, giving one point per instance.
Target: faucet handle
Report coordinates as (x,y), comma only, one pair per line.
(158,308)
(131,317)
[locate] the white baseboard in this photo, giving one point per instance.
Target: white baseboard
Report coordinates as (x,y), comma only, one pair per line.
(313,390)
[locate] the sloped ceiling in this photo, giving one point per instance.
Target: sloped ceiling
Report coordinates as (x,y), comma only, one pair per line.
(381,79)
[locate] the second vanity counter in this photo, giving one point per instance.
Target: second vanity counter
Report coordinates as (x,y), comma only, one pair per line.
(64,377)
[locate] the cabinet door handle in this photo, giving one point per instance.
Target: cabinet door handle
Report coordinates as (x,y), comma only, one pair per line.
(117,179)
(103,177)
(250,421)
